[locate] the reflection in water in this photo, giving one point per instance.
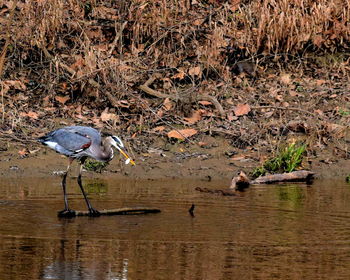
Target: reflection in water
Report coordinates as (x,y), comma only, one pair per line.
(75,271)
(268,232)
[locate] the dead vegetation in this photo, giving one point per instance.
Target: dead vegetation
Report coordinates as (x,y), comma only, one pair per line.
(252,71)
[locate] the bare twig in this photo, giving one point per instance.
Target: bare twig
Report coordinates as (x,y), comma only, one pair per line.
(155,93)
(117,37)
(215,102)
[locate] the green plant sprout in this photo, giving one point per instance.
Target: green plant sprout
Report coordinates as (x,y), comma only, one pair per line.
(288,159)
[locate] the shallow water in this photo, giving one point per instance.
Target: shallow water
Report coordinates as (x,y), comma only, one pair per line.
(267,232)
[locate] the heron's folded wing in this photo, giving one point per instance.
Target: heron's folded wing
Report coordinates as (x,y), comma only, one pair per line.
(69,142)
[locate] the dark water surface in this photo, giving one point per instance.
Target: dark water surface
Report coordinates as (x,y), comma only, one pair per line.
(268,232)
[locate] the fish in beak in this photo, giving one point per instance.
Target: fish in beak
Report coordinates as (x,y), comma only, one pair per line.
(128,159)
(117,142)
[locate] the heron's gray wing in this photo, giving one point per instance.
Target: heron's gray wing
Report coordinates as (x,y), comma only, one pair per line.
(67,142)
(89,132)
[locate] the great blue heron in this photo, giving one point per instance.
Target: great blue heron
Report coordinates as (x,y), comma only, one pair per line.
(81,142)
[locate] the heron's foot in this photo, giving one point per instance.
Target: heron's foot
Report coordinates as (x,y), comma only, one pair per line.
(66,213)
(94,213)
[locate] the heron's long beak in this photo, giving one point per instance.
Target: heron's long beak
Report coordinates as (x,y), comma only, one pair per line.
(128,159)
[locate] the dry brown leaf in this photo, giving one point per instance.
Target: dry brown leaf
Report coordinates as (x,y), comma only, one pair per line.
(181,75)
(195,71)
(16,84)
(205,103)
(182,133)
(46,101)
(241,109)
(231,117)
(318,40)
(297,126)
(238,158)
(78,64)
(160,113)
(202,144)
(97,122)
(167,104)
(320,82)
(159,128)
(285,79)
(197,22)
(123,103)
(335,129)
(30,114)
(93,33)
(106,116)
(196,117)
(279,97)
(50,109)
(167,84)
(81,117)
(320,112)
(23,152)
(101,47)
(62,99)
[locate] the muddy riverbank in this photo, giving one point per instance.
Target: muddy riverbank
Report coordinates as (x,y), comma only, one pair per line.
(183,161)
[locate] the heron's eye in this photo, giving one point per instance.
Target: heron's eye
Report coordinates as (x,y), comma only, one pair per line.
(118,141)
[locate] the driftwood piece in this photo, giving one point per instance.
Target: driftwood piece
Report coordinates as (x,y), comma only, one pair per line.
(241,181)
(119,211)
(295,176)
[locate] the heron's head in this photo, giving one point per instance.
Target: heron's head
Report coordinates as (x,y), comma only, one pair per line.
(118,144)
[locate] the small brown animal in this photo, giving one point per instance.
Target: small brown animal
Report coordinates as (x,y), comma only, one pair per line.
(240,182)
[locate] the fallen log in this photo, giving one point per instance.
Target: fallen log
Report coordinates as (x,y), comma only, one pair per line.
(295,176)
(111,212)
(241,181)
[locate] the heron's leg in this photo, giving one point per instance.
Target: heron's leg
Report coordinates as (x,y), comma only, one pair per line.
(66,212)
(92,211)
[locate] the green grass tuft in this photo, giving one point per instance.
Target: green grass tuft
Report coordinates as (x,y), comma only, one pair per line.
(287,159)
(94,165)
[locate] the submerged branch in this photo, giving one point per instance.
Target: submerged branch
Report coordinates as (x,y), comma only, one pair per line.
(120,211)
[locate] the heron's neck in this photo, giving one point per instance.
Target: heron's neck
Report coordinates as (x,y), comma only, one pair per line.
(106,153)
